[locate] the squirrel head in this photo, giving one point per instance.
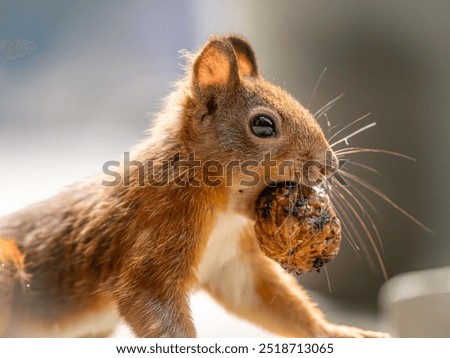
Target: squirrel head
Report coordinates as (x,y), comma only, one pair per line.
(232,114)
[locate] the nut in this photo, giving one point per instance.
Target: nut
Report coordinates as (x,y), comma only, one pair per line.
(297,227)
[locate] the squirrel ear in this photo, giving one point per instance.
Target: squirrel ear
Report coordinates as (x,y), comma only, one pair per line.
(215,68)
(245,56)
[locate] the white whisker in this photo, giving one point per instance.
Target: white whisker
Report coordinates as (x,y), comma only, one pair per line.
(369,236)
(346,138)
(333,127)
(366,214)
(349,125)
(327,276)
(367,167)
(327,106)
(316,87)
(385,198)
(343,217)
(367,201)
(355,150)
(328,119)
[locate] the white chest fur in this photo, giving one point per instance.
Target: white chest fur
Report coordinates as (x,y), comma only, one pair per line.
(223,269)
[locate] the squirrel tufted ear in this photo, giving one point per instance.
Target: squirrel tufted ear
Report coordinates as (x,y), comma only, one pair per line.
(215,68)
(245,56)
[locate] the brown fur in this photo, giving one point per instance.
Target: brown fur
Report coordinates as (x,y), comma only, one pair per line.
(137,248)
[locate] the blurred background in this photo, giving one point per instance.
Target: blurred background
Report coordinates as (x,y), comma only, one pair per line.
(80,82)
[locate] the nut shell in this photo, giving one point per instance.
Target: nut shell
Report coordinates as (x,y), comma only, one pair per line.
(297,227)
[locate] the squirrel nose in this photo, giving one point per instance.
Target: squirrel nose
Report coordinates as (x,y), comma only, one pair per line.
(316,171)
(331,165)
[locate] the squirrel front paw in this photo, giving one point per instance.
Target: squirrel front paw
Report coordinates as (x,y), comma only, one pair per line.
(339,331)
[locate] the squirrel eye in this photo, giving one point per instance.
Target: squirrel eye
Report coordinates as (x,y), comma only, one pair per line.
(263,126)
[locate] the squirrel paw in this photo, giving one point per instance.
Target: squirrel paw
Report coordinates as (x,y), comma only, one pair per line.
(338,331)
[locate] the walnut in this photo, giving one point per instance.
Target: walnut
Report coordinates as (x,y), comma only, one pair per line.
(297,227)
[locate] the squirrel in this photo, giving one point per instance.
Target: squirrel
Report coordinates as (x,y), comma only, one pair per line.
(100,252)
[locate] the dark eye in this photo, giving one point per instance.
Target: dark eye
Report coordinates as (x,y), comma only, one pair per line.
(263,126)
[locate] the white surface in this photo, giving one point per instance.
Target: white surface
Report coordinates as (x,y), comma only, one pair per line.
(417,304)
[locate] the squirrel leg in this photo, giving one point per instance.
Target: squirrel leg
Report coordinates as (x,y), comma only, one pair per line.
(7,284)
(150,316)
(256,288)
(12,273)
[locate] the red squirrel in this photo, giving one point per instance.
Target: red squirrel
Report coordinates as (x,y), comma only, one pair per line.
(77,263)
